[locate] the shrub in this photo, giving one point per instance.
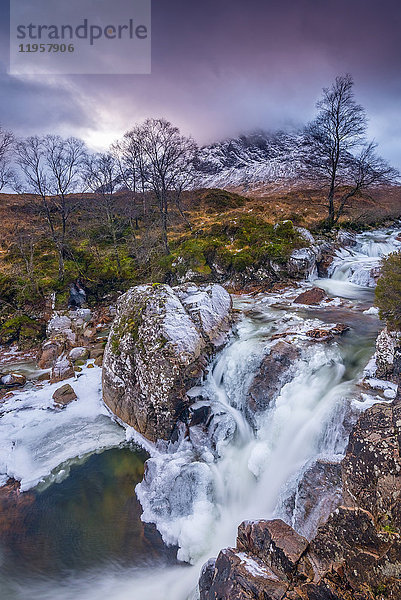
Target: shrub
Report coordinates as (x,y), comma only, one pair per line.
(388,291)
(22,329)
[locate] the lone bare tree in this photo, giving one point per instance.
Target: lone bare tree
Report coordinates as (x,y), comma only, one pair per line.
(340,158)
(102,177)
(162,160)
(64,160)
(6,145)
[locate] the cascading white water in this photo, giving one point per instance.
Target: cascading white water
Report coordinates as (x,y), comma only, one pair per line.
(358,266)
(198,490)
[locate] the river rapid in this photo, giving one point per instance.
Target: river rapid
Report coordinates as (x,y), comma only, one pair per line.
(94,527)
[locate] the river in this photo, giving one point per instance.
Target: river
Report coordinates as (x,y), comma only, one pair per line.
(86,529)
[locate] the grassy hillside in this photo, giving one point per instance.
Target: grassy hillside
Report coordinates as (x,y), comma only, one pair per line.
(226,227)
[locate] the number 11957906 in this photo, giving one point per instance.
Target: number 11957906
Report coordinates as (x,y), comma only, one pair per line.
(46,48)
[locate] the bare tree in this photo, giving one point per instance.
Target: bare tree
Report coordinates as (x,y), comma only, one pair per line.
(163,161)
(102,176)
(64,159)
(6,145)
(26,241)
(50,168)
(129,159)
(31,160)
(339,158)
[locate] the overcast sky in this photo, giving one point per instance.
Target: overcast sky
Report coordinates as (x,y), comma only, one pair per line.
(224,67)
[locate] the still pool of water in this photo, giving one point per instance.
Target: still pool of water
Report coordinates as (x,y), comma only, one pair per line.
(89,520)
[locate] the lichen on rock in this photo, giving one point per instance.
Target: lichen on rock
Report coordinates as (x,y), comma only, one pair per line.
(158,348)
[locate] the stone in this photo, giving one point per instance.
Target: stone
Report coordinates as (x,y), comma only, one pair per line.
(44,377)
(58,323)
(13,380)
(322,334)
(62,369)
(317,494)
(274,542)
(387,343)
(79,353)
(371,469)
(239,576)
(313,296)
(274,371)
(64,395)
(302,262)
(346,238)
(96,351)
(51,350)
(158,348)
(200,416)
(99,361)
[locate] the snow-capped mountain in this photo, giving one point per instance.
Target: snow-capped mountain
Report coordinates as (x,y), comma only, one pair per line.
(248,161)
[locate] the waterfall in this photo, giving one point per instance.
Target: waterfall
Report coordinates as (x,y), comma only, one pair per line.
(198,489)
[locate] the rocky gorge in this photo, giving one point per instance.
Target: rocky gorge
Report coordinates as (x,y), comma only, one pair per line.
(259,413)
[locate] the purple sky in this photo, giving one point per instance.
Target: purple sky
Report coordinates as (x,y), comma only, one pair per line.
(224,67)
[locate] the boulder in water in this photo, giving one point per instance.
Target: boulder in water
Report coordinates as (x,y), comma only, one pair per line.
(13,380)
(274,542)
(312,296)
(158,349)
(274,371)
(240,576)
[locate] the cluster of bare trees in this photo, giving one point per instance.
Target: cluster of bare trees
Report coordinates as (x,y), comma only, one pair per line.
(152,160)
(341,160)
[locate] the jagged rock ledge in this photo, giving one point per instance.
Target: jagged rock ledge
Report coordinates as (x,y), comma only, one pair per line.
(355,555)
(158,348)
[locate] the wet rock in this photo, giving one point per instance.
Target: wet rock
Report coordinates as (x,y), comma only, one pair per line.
(200,415)
(13,380)
(328,254)
(387,343)
(322,334)
(313,296)
(302,262)
(13,508)
(350,544)
(274,371)
(96,351)
(44,377)
(64,395)
(274,542)
(80,353)
(158,348)
(346,238)
(318,493)
(371,469)
(77,295)
(99,361)
(51,350)
(62,369)
(239,576)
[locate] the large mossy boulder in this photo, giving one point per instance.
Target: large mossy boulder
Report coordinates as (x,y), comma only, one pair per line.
(158,348)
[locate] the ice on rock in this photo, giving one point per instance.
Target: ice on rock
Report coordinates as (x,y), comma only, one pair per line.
(37,438)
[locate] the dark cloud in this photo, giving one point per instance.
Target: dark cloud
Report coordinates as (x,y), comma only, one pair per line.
(221,67)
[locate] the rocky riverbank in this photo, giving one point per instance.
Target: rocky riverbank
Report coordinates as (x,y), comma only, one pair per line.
(355,555)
